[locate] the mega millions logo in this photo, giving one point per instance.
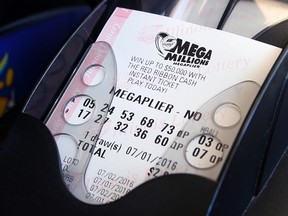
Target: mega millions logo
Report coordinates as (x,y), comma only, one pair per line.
(182,53)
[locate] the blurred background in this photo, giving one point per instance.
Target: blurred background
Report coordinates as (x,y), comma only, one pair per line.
(11,11)
(31,34)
